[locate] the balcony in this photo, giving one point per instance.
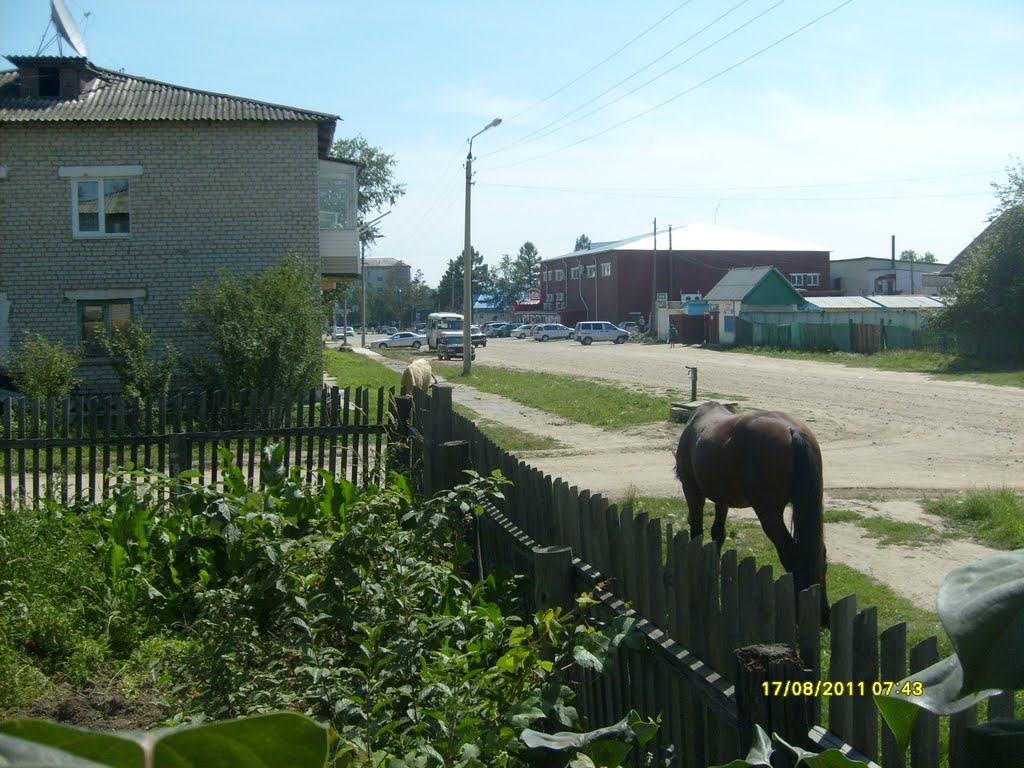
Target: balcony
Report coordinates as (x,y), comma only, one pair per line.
(339,233)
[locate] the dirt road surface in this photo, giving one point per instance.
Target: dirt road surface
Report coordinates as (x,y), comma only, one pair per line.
(888,439)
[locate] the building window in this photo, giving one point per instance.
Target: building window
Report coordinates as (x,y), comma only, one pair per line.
(606,269)
(101,207)
(574,273)
(559,275)
(100,199)
(98,317)
(591,270)
(809,279)
(546,276)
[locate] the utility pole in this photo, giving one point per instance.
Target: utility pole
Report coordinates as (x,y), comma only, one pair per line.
(654,283)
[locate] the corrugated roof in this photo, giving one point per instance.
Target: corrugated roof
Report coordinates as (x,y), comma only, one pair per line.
(705,237)
(842,302)
(111,96)
(907,302)
(737,283)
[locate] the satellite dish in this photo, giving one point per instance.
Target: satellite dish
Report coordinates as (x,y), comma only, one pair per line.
(66,27)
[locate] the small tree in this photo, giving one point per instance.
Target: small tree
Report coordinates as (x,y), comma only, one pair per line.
(43,369)
(141,374)
(259,331)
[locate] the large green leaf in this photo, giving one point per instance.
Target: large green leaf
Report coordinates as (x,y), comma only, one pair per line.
(18,752)
(760,754)
(565,740)
(120,751)
(982,608)
(283,738)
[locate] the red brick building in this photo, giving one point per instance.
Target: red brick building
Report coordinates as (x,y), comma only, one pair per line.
(620,281)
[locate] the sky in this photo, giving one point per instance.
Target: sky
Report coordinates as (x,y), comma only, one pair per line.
(840,123)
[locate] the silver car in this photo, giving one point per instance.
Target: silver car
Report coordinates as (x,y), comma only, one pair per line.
(401,339)
(547,331)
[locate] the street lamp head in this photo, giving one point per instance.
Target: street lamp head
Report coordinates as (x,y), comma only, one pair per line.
(494,123)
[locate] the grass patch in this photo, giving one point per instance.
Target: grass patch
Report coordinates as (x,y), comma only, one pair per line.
(899,532)
(580,400)
(919,361)
(506,437)
(842,516)
(994,516)
(352,369)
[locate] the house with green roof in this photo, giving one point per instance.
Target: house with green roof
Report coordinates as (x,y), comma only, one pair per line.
(120,194)
(752,289)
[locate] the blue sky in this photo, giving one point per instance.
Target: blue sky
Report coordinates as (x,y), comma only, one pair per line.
(885,117)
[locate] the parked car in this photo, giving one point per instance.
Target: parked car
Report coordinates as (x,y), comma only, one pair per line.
(600,330)
(522,331)
(388,329)
(450,345)
(340,331)
(494,330)
(630,327)
(547,331)
(401,339)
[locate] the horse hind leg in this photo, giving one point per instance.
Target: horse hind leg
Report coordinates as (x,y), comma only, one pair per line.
(695,508)
(774,526)
(718,527)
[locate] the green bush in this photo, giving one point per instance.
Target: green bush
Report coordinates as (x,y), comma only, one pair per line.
(141,374)
(43,369)
(259,331)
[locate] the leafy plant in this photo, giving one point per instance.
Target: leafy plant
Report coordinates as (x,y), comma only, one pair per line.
(982,608)
(259,331)
(141,374)
(43,369)
(601,748)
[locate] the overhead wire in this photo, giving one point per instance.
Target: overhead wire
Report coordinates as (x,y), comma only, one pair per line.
(603,61)
(629,77)
(680,94)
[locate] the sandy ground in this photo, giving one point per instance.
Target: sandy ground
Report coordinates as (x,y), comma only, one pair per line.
(888,439)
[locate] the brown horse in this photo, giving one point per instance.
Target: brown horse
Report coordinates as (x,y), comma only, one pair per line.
(764,460)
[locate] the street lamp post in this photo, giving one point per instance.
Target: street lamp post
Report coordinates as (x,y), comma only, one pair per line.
(467,262)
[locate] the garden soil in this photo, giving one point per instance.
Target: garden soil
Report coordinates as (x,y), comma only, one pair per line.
(889,439)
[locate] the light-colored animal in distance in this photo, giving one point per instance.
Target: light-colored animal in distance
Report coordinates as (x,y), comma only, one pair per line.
(417,375)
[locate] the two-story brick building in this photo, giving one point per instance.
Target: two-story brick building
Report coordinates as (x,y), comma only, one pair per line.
(119,194)
(622,280)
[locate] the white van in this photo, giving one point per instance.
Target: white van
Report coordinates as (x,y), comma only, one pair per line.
(599,330)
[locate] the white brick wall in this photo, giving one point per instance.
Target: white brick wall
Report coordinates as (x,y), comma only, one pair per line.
(211,196)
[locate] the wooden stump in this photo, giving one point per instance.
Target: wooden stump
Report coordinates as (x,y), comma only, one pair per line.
(769,692)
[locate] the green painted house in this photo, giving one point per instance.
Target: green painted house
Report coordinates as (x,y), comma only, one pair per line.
(752,289)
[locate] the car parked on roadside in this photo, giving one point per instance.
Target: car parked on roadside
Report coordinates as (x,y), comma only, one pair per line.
(388,329)
(340,331)
(522,331)
(546,331)
(401,339)
(630,327)
(600,330)
(493,330)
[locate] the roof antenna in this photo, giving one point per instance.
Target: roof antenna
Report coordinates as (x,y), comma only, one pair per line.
(64,24)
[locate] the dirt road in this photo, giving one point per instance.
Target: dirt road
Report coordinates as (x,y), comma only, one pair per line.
(888,439)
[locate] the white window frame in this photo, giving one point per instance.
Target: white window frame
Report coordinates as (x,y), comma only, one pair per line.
(99,174)
(797,279)
(813,279)
(559,275)
(591,270)
(574,273)
(606,269)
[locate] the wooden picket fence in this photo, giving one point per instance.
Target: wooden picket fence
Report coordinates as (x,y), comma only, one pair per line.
(696,609)
(68,449)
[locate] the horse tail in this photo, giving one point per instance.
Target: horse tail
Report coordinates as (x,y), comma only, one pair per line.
(808,508)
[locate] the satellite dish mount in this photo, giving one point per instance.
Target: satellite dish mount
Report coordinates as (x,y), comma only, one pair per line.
(65,29)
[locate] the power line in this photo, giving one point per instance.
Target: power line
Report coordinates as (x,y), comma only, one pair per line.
(606,59)
(678,95)
(650,64)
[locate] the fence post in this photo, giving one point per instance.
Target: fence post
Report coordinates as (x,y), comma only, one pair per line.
(552,578)
(180,453)
(767,677)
